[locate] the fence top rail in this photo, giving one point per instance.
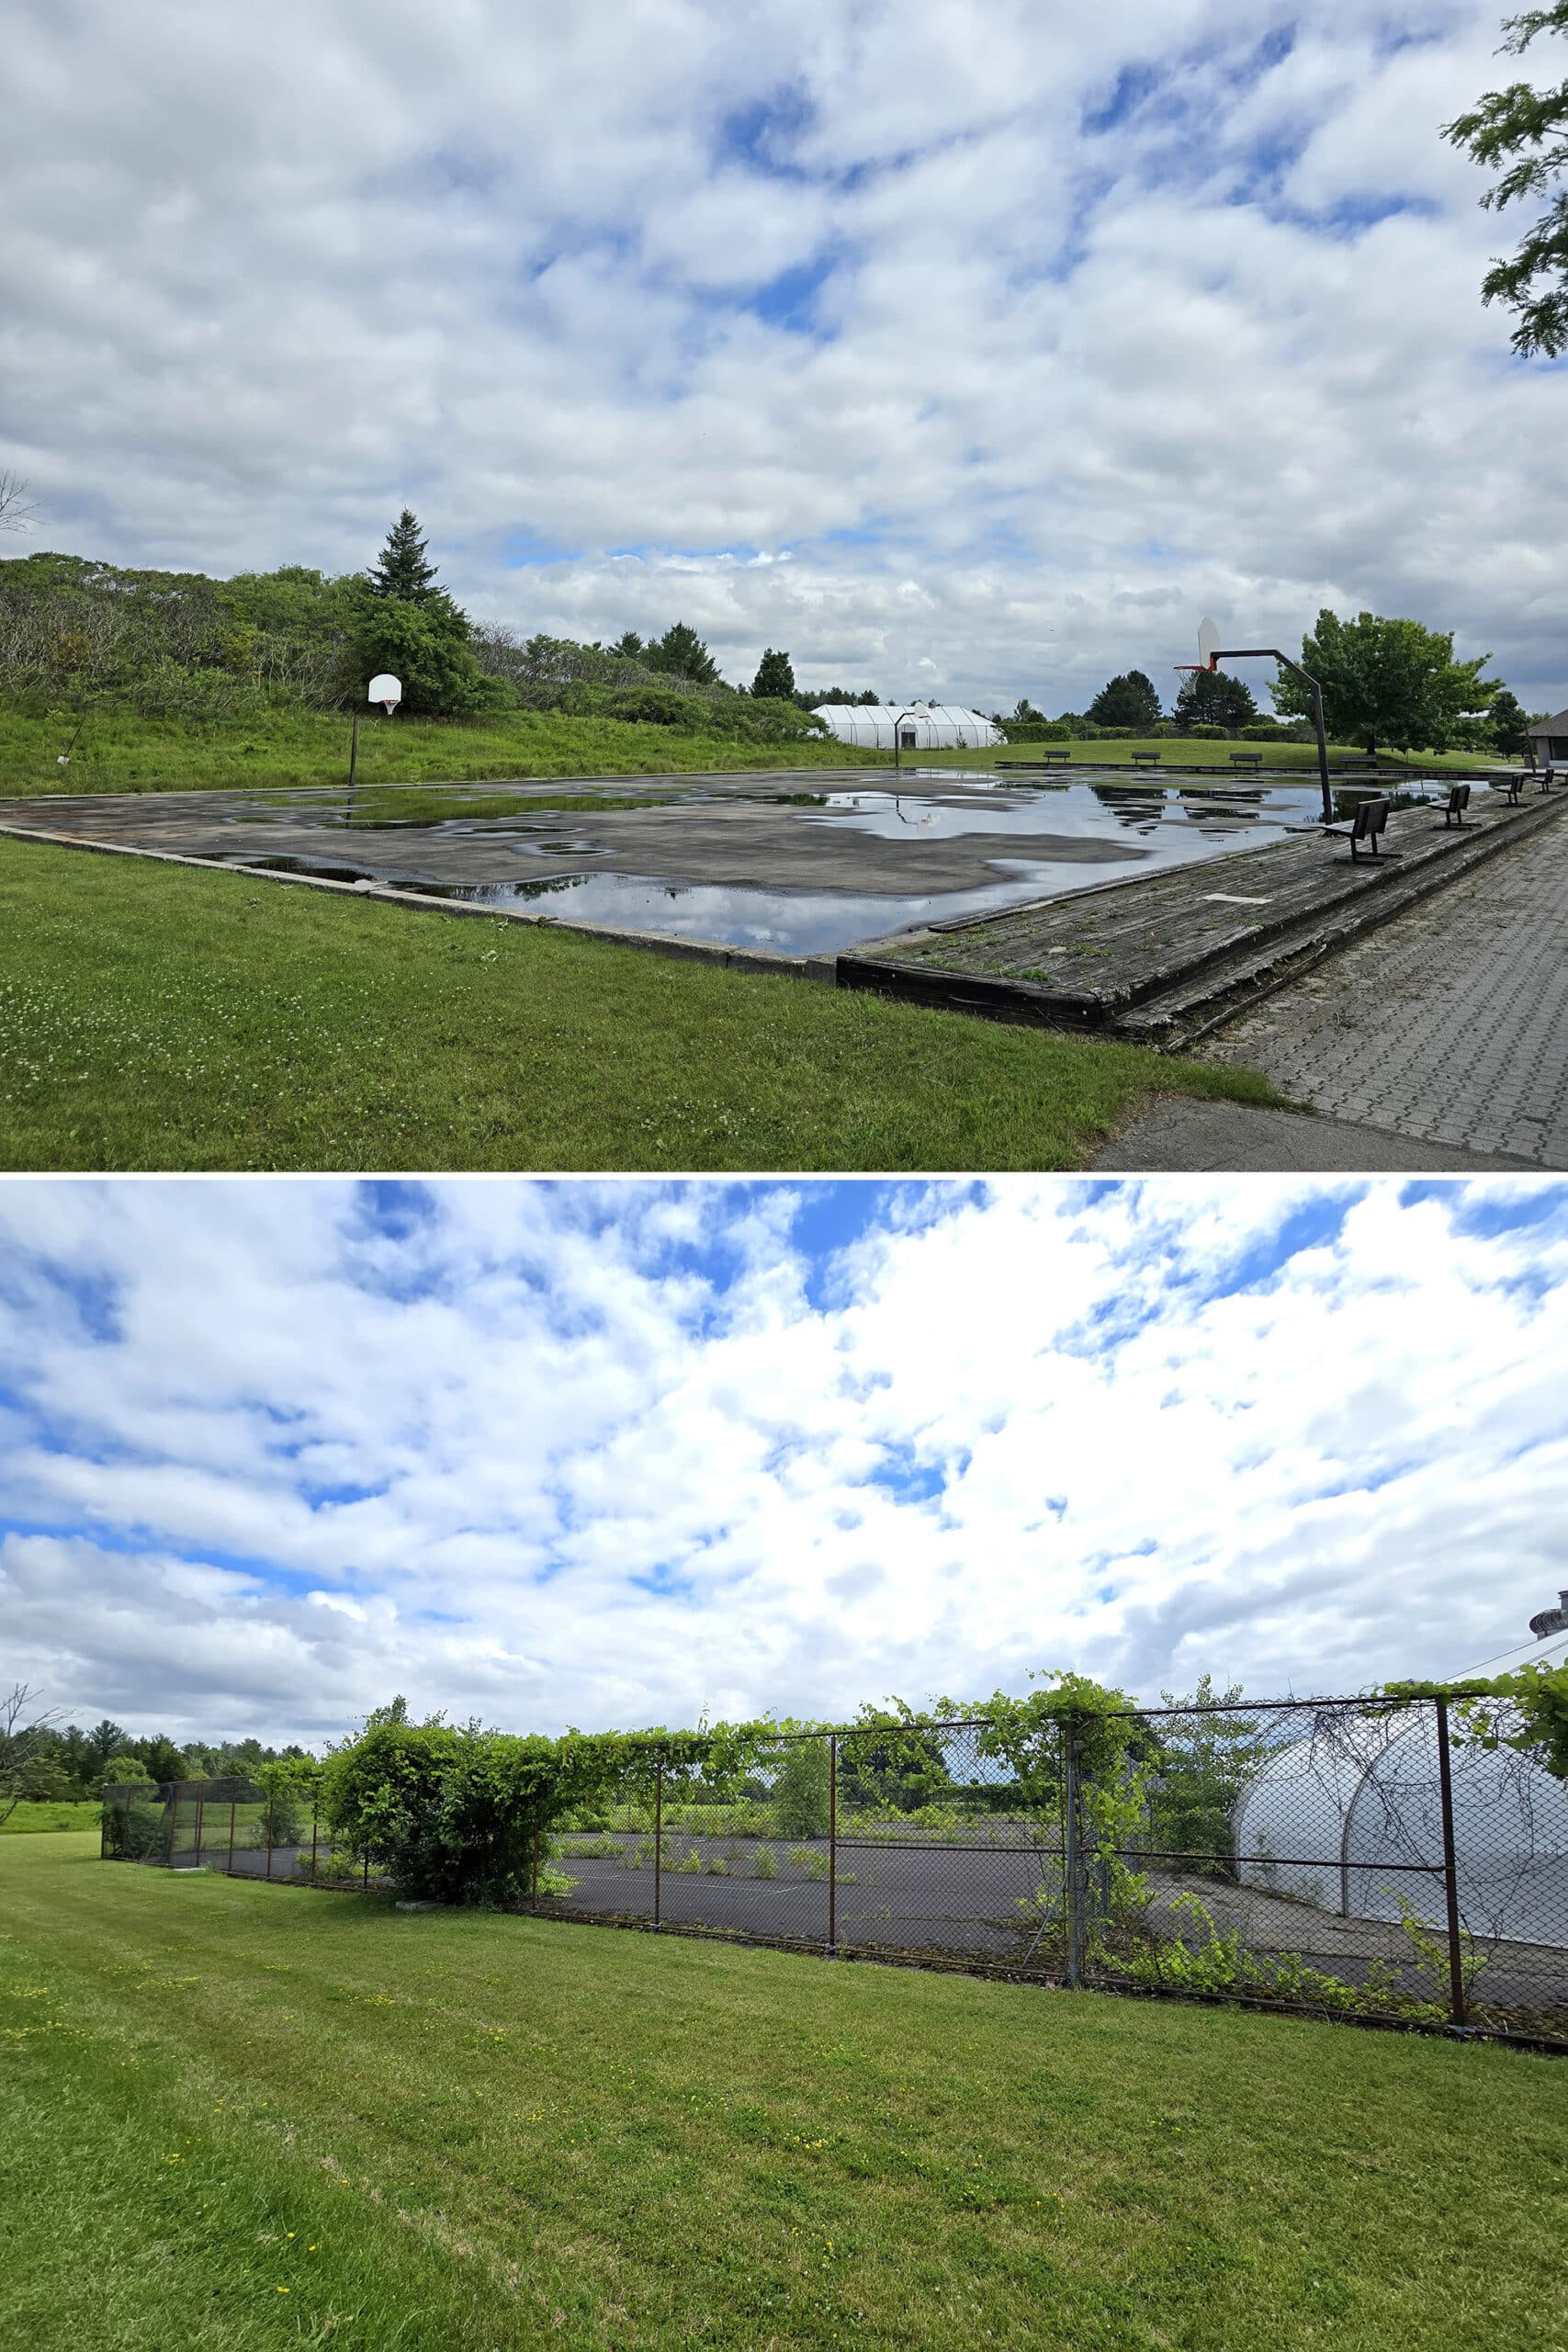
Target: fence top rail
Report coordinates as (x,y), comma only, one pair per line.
(1369,1703)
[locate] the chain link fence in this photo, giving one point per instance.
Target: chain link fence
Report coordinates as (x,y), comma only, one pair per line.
(1345,1858)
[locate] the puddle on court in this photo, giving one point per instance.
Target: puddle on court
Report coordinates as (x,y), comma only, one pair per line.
(1169,824)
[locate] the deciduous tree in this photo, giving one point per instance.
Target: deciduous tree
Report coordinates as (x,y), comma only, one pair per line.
(1526,129)
(1388,682)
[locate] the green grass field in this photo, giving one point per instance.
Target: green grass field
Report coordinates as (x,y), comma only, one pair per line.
(153,1017)
(50,1815)
(241,2117)
(1175,751)
(117,752)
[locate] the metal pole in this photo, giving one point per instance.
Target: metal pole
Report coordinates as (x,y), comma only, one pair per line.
(1072,1890)
(125,1854)
(233,1800)
(315,1810)
(1322,751)
(534,1871)
(200,1801)
(269,1833)
(1272,653)
(832,1841)
(1450,1874)
(174,1823)
(658,1836)
(353,763)
(368,1870)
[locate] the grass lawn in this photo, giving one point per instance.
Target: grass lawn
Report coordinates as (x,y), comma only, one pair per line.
(1175,749)
(117,752)
(155,1017)
(50,1815)
(242,2117)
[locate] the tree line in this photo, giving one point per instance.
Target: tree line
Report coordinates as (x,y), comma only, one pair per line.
(1390,682)
(79,633)
(43,1761)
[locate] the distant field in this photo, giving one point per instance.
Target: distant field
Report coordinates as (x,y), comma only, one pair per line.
(1175,752)
(155,1017)
(29,1817)
(119,752)
(239,2117)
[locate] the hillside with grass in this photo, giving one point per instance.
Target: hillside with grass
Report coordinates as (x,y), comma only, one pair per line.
(120,680)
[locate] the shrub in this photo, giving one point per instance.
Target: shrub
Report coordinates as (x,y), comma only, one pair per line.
(1209,734)
(764,1863)
(455,1816)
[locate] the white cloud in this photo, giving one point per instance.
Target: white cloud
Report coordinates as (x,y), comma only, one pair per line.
(265,277)
(613,1453)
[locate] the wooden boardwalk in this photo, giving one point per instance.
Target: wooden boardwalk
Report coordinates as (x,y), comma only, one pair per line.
(1122,957)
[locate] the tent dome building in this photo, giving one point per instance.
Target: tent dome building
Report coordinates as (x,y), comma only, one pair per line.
(920,727)
(1361,1795)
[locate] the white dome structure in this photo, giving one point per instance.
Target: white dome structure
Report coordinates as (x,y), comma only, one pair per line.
(1349,1820)
(923,726)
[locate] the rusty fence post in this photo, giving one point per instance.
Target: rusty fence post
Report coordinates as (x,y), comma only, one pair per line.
(269,1833)
(658,1838)
(1071,1861)
(367,1880)
(1450,1872)
(832,1841)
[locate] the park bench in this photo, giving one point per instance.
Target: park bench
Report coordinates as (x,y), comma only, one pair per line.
(1145,759)
(1057,759)
(1246,758)
(1365,826)
(1454,807)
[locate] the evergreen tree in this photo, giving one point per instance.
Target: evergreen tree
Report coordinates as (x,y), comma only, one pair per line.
(403,570)
(1127,701)
(628,645)
(1213,698)
(681,653)
(774,678)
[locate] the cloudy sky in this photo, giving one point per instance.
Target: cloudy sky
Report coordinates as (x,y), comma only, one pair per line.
(964,350)
(614,1453)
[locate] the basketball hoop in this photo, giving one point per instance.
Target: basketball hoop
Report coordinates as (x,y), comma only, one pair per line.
(386,690)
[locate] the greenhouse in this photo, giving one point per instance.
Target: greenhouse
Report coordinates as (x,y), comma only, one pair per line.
(1362,1796)
(923,726)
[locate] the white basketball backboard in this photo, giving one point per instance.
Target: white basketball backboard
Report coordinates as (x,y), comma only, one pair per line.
(389,691)
(1209,643)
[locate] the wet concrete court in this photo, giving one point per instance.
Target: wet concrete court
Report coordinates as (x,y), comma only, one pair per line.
(801,863)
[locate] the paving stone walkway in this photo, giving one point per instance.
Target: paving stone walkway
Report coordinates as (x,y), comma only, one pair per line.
(1449,1022)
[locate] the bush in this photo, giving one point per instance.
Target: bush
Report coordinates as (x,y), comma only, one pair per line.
(131,1834)
(1036,730)
(462,1817)
(1209,734)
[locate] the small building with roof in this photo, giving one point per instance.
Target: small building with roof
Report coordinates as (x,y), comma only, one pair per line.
(1549,740)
